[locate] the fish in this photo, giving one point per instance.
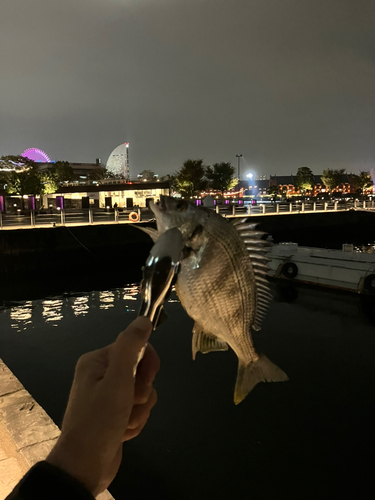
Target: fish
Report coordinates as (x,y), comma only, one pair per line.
(222,284)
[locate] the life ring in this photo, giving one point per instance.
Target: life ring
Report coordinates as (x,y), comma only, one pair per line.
(133,217)
(369,284)
(289,270)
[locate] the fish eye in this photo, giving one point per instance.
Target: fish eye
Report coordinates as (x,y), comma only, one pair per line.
(181,206)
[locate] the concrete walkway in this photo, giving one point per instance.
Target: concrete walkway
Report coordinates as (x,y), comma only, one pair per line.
(27,433)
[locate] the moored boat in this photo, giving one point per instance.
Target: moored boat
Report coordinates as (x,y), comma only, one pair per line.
(343,269)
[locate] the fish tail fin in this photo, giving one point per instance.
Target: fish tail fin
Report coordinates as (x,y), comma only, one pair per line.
(248,376)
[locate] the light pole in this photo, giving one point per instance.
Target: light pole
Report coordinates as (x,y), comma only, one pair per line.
(238,166)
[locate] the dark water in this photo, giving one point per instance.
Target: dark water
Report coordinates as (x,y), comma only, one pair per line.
(311,437)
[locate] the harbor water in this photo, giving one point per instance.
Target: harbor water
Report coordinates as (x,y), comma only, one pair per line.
(310,437)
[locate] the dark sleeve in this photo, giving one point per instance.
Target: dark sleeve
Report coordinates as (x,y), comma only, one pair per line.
(45,481)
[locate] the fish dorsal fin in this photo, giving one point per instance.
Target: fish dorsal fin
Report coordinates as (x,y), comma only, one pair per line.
(257,251)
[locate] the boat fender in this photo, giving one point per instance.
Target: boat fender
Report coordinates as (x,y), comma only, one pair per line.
(133,217)
(369,284)
(290,270)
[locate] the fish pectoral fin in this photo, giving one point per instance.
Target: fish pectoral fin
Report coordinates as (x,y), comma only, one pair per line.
(153,233)
(249,375)
(205,343)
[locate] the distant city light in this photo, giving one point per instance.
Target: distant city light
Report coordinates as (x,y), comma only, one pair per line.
(249,176)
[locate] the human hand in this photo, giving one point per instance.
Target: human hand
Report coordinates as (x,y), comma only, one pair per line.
(106,407)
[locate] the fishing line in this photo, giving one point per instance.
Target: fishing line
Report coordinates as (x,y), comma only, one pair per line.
(80,242)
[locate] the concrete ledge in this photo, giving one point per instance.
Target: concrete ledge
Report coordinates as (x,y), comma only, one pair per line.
(27,433)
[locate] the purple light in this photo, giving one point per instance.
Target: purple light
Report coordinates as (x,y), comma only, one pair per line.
(214,202)
(1,203)
(31,203)
(198,202)
(36,154)
(227,202)
(240,202)
(60,202)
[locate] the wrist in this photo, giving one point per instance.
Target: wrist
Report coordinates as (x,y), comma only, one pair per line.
(69,456)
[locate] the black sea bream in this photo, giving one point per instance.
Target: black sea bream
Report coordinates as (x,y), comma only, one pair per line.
(222,285)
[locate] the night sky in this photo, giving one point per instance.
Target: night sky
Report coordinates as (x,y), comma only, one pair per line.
(286,83)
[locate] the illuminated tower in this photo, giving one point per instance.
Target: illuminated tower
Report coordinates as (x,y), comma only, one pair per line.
(118,161)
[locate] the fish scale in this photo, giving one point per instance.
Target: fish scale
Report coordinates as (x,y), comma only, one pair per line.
(232,303)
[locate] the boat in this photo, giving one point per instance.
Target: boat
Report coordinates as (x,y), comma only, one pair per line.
(344,269)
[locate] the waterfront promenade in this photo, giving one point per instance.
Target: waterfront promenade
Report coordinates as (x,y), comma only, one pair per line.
(104,216)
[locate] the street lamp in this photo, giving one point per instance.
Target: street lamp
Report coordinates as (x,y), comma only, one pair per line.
(239,159)
(249,176)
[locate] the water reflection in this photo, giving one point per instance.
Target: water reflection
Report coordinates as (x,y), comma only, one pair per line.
(80,305)
(52,311)
(21,315)
(106,299)
(130,292)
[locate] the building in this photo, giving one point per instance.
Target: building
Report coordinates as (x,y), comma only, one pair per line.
(106,193)
(286,183)
(118,161)
(82,172)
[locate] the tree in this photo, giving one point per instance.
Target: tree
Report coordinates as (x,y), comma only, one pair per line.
(149,175)
(220,176)
(61,171)
(24,183)
(361,181)
(21,176)
(49,182)
(332,178)
(274,190)
(304,179)
(101,173)
(55,175)
(16,163)
(190,178)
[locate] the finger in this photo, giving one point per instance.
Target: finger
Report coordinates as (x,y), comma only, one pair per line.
(132,433)
(142,392)
(140,416)
(93,364)
(125,350)
(147,368)
(141,413)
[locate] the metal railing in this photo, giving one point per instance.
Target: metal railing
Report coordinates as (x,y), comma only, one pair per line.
(99,216)
(292,208)
(71,217)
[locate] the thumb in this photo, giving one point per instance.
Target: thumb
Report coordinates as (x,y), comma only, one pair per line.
(126,349)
